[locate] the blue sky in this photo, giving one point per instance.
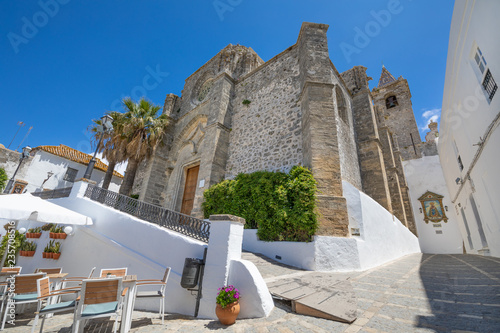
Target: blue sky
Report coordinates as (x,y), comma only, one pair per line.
(65,62)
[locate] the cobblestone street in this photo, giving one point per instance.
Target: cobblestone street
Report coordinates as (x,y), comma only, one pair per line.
(417,293)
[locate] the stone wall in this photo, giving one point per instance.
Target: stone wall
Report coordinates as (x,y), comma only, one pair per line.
(266,134)
(400,119)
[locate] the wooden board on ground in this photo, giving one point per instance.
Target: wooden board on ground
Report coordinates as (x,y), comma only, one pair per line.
(322,295)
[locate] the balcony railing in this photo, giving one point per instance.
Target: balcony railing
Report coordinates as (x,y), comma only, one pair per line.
(184,224)
(54,194)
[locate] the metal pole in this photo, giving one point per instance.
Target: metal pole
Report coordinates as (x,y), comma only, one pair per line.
(24,137)
(21,124)
(11,181)
(90,167)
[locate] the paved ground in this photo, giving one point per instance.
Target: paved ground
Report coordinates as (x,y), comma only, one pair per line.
(417,293)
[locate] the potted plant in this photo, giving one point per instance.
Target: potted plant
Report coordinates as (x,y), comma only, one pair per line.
(57,232)
(34,232)
(45,251)
(52,232)
(60,233)
(30,249)
(228,306)
(56,251)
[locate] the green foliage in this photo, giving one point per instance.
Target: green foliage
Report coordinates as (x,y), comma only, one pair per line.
(246,102)
(135,196)
(28,246)
(3,179)
(281,206)
(35,230)
(47,226)
(15,246)
(227,295)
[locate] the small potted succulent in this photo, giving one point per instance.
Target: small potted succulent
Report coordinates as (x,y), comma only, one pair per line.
(56,250)
(28,249)
(57,232)
(34,232)
(228,306)
(48,251)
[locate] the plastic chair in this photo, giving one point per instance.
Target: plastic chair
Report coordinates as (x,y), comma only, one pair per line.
(25,291)
(99,298)
(114,271)
(157,293)
(44,293)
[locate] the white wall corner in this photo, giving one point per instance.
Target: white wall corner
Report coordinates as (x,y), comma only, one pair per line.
(224,245)
(78,189)
(256,300)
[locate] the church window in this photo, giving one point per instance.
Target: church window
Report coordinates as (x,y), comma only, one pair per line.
(341,104)
(391,102)
(205,89)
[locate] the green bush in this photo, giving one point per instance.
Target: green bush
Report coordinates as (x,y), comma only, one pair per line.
(3,179)
(281,206)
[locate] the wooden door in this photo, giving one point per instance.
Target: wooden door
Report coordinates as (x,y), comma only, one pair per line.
(189,190)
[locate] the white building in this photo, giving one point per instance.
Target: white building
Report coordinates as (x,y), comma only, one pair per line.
(54,167)
(470,138)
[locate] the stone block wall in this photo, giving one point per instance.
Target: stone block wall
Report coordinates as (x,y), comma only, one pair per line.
(400,119)
(266,134)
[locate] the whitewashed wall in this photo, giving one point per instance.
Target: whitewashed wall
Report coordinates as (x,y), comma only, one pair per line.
(425,174)
(120,240)
(466,115)
(382,238)
(44,162)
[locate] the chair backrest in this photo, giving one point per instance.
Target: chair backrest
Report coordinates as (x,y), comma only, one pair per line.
(43,287)
(55,270)
(97,291)
(114,271)
(27,283)
(165,276)
(91,272)
(16,269)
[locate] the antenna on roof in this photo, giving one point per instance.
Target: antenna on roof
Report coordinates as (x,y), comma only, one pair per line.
(21,124)
(29,130)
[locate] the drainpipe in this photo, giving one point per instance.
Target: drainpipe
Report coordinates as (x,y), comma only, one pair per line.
(481,144)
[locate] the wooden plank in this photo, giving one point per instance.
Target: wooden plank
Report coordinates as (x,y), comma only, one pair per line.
(189,190)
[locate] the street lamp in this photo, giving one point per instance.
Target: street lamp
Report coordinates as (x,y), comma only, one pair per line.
(105,126)
(25,154)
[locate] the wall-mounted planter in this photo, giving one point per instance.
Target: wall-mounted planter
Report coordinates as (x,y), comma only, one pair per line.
(47,255)
(56,255)
(33,234)
(58,235)
(27,253)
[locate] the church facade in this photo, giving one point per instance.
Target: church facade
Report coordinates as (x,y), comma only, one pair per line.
(239,114)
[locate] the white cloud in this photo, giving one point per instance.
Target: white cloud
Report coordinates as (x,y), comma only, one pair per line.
(119,167)
(430,115)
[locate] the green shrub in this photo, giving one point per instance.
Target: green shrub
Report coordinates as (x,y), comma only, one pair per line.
(3,179)
(281,206)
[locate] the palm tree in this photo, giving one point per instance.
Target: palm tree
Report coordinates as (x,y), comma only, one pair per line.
(113,146)
(143,130)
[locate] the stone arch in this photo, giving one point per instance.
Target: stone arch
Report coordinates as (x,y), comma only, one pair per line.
(341,104)
(203,85)
(192,134)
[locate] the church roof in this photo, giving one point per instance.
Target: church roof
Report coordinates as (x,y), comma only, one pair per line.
(385,77)
(75,156)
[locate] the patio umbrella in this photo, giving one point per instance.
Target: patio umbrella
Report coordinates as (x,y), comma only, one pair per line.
(30,208)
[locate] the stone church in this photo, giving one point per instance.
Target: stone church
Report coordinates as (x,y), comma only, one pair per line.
(239,114)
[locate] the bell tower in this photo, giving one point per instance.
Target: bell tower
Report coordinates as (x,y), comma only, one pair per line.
(392,101)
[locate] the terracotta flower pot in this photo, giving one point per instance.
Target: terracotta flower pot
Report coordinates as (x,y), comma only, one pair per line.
(30,253)
(49,255)
(37,235)
(62,235)
(56,255)
(52,235)
(21,253)
(44,254)
(228,315)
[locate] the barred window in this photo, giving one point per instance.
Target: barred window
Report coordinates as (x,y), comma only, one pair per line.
(70,175)
(490,85)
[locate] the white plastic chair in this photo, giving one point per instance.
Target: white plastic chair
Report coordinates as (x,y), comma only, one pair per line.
(156,293)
